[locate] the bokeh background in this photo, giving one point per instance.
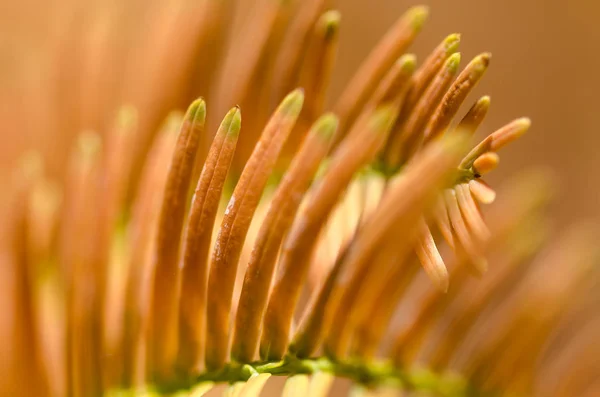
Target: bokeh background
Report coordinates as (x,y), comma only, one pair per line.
(545,65)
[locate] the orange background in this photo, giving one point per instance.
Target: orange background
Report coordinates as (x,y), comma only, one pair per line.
(546,65)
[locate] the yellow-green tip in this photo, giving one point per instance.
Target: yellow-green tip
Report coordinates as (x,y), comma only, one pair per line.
(416,16)
(292,103)
(232,122)
(522,126)
(453,62)
(330,22)
(196,113)
(172,122)
(482,61)
(451,43)
(524,123)
(127,117)
(383,117)
(407,63)
(89,144)
(326,125)
(484,101)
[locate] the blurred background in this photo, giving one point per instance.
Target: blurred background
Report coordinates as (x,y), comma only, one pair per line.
(58,77)
(545,66)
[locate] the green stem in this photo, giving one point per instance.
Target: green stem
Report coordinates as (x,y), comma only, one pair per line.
(370,374)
